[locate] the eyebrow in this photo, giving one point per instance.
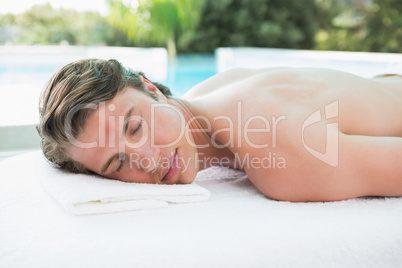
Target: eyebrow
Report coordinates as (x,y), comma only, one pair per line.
(125,127)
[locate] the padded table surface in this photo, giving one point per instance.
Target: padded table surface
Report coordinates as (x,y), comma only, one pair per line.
(237,227)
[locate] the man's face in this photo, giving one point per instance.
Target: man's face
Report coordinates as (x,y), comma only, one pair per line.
(134,138)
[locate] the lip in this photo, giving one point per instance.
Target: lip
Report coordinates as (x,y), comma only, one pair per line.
(164,172)
(172,170)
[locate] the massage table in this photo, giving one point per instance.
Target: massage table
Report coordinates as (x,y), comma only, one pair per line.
(236,227)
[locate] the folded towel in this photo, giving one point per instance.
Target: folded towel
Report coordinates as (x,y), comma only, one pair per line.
(92,194)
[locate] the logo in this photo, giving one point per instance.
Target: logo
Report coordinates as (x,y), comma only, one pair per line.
(330,156)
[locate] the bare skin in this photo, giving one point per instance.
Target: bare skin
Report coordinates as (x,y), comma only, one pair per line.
(354,150)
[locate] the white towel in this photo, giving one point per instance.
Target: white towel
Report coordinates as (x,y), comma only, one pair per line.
(91,194)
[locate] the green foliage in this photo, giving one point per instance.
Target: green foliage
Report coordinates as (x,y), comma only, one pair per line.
(157,21)
(384,27)
(360,25)
(44,25)
(260,23)
(7,19)
(203,25)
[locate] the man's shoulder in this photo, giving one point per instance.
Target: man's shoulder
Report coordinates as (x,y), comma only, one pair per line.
(211,84)
(222,80)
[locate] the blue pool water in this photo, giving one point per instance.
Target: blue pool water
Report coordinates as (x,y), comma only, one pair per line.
(189,70)
(184,73)
(22,81)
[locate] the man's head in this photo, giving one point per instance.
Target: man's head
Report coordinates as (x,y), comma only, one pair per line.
(65,103)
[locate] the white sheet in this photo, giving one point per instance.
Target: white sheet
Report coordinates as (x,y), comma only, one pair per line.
(83,194)
(237,227)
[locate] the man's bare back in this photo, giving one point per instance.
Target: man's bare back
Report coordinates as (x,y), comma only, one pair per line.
(324,135)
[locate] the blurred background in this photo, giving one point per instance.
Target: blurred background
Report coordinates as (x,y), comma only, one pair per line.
(200,26)
(37,37)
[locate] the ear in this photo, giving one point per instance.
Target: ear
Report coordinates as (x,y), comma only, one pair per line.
(152,88)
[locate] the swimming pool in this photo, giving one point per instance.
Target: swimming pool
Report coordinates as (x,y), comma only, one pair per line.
(22,81)
(182,74)
(189,70)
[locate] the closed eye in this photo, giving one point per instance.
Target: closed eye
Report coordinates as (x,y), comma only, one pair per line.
(121,158)
(120,166)
(136,129)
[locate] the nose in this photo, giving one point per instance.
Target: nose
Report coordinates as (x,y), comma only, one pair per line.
(149,158)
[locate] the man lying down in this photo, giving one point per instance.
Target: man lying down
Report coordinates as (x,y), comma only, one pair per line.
(299,134)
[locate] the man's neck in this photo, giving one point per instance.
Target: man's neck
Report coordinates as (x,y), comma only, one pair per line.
(198,128)
(208,152)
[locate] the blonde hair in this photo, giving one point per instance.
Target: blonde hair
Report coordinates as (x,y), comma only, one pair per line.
(78,84)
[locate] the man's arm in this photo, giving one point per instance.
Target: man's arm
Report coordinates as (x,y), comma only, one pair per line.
(368,166)
(378,160)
